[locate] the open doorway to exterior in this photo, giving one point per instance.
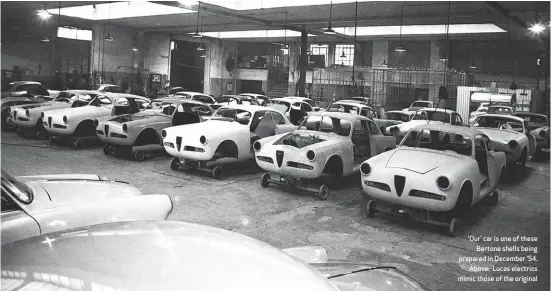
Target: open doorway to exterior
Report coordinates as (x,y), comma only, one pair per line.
(187,66)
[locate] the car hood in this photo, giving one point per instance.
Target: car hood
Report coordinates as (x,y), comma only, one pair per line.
(347,276)
(78,111)
(35,105)
(499,135)
(420,161)
(139,118)
(305,138)
(211,128)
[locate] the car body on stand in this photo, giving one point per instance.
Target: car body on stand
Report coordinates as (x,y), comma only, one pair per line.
(436,174)
(262,100)
(140,133)
(312,103)
(362,109)
(500,109)
(196,96)
(20,93)
(420,104)
(33,205)
(509,134)
(108,88)
(28,117)
(75,125)
(538,124)
(168,91)
(234,99)
(294,109)
(425,116)
(171,255)
(400,116)
(366,100)
(328,143)
(229,133)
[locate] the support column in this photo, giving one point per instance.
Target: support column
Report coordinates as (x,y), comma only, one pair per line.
(378,58)
(303,63)
(330,54)
(293,53)
(436,78)
(380,53)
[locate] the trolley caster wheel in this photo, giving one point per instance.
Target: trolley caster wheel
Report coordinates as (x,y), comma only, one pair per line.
(323,192)
(175,164)
(52,140)
(107,150)
(265,181)
(452,227)
(77,144)
(494,198)
(217,172)
(139,156)
(370,208)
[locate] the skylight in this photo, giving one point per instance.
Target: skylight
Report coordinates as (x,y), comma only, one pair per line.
(253,34)
(118,10)
(259,4)
(74,33)
(421,29)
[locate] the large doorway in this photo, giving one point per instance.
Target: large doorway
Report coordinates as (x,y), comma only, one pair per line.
(187,66)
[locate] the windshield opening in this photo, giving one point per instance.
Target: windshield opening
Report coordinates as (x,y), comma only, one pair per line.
(230,114)
(499,123)
(500,110)
(420,104)
(534,119)
(343,108)
(327,124)
(439,140)
(281,106)
(432,115)
(18,189)
(397,116)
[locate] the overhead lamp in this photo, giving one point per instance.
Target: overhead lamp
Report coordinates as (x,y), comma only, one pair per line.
(472,66)
(201,47)
(384,63)
(284,47)
(135,49)
(43,14)
(329,29)
(400,48)
(537,28)
(45,39)
(203,56)
(108,37)
(343,54)
(197,34)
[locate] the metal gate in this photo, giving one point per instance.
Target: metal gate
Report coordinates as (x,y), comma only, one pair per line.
(394,88)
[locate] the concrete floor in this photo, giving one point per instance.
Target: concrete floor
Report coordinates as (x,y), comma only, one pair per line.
(286,219)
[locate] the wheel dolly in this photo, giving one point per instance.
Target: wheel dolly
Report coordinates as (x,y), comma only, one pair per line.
(77,142)
(295,183)
(201,166)
(443,219)
(138,153)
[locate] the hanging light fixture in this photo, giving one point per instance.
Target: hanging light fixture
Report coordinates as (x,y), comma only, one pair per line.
(472,66)
(197,34)
(135,49)
(384,63)
(108,37)
(203,55)
(400,48)
(44,14)
(45,39)
(444,56)
(329,29)
(201,47)
(343,55)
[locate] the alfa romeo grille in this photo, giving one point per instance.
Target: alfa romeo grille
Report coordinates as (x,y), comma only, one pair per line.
(399,183)
(279,158)
(106,127)
(50,121)
(178,142)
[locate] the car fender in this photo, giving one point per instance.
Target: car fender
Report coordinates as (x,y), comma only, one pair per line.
(71,215)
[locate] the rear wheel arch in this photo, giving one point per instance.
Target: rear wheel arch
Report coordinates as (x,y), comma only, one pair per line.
(334,166)
(228,148)
(85,128)
(147,136)
(466,192)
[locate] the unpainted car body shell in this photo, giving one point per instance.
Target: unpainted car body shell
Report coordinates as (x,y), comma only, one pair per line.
(422,167)
(333,145)
(67,201)
(168,255)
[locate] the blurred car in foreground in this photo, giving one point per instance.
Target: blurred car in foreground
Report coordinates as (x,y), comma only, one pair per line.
(538,124)
(166,255)
(33,205)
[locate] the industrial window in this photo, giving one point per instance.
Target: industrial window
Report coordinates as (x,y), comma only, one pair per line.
(74,33)
(320,50)
(344,54)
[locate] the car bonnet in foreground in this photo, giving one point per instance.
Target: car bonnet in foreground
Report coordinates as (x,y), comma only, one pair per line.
(151,255)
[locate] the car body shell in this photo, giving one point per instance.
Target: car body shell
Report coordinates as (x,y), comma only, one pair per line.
(400,130)
(111,131)
(108,88)
(295,109)
(501,137)
(405,116)
(18,88)
(364,110)
(540,131)
(183,141)
(426,104)
(61,202)
(196,96)
(53,119)
(310,102)
(500,109)
(182,256)
(261,99)
(422,167)
(325,146)
(33,118)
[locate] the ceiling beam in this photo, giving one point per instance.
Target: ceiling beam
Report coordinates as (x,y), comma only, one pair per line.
(226,12)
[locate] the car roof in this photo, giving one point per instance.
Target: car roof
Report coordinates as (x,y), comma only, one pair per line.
(160,255)
(526,113)
(252,108)
(437,109)
(427,101)
(464,130)
(299,98)
(502,106)
(107,85)
(190,93)
(83,91)
(516,118)
(116,96)
(401,111)
(351,102)
(342,115)
(179,101)
(252,94)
